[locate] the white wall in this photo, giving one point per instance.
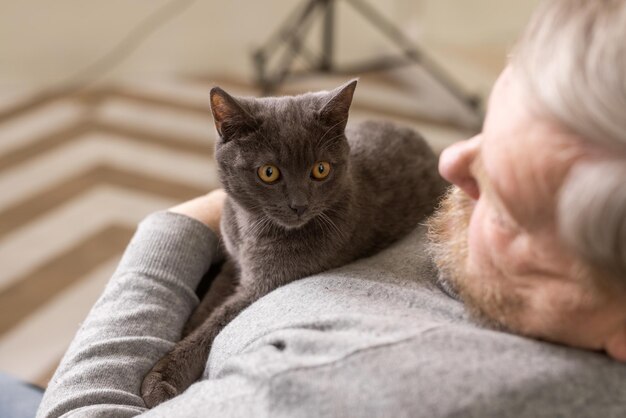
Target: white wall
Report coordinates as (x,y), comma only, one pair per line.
(43,42)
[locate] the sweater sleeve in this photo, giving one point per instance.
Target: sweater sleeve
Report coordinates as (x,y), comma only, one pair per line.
(136,321)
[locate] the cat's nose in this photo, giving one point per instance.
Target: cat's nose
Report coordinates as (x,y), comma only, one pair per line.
(298,209)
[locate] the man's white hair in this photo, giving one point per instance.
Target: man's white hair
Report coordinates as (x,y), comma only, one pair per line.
(572,58)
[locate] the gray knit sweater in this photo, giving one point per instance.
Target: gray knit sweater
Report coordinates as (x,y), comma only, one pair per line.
(376,338)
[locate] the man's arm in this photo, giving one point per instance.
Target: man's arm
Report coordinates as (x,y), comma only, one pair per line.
(135,322)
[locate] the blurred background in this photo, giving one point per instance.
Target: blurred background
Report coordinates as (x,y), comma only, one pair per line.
(104,118)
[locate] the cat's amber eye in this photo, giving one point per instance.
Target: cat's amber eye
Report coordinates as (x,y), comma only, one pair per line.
(320,170)
(269,173)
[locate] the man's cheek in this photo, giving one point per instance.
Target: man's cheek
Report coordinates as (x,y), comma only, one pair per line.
(477,246)
(486,243)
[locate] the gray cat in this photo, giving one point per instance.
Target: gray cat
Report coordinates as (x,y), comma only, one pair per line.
(305,194)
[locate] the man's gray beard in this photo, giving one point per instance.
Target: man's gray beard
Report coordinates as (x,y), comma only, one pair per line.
(443,278)
(447,240)
(448,248)
(447,285)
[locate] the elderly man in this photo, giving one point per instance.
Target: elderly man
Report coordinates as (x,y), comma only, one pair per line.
(531,240)
(534,236)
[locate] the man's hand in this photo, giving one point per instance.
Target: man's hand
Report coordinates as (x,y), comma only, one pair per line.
(206,209)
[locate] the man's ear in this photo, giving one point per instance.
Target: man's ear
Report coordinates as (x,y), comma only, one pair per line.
(616,344)
(334,112)
(230,118)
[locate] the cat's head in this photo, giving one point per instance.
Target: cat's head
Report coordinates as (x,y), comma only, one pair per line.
(284,157)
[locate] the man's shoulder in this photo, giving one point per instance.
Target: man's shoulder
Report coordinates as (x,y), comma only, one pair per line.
(407,360)
(378,333)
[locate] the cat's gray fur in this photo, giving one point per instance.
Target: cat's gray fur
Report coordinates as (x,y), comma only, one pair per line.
(383,181)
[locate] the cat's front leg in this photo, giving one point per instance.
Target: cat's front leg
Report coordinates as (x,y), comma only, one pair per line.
(185,364)
(173,373)
(224,286)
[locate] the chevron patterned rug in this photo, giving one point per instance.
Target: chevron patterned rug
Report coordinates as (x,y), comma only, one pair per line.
(78,172)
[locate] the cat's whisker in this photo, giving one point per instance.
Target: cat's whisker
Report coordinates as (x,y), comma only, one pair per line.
(319,221)
(329,140)
(325,224)
(330,129)
(262,226)
(266,227)
(252,228)
(329,144)
(338,230)
(330,223)
(329,227)
(259,226)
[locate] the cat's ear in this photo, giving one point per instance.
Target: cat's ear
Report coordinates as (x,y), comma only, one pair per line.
(335,110)
(230,118)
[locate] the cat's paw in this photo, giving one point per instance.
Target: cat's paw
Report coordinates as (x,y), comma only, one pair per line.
(159,385)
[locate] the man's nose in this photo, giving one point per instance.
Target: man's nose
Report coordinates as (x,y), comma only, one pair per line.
(455,165)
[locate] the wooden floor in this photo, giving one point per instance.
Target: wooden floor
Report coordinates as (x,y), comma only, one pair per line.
(78,172)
